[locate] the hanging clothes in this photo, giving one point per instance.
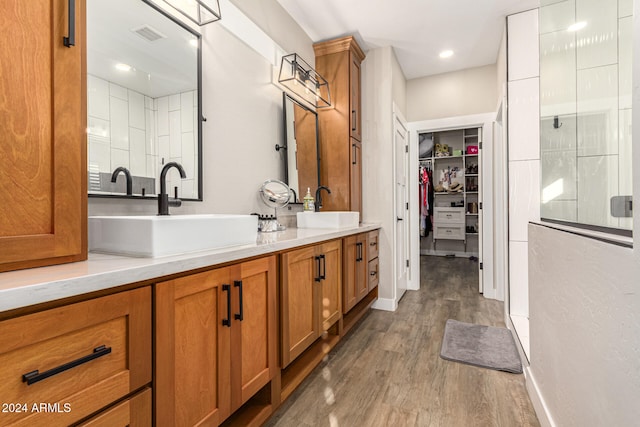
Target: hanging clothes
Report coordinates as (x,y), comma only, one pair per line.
(426,199)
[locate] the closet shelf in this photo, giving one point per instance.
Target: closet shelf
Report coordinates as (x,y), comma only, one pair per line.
(472,192)
(472,214)
(470,174)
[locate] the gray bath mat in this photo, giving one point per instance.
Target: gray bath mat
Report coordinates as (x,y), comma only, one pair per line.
(478,345)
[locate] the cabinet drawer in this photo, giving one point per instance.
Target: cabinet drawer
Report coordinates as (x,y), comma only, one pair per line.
(373,274)
(133,412)
(78,358)
(372,244)
(453,232)
(448,215)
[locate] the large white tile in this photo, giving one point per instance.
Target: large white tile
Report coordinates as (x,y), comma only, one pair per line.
(99,129)
(519,278)
(625,49)
(97,97)
(136,110)
(189,189)
(598,40)
(118,91)
(119,124)
(148,103)
(186,111)
(164,147)
(162,116)
(561,138)
(119,158)
(524,197)
(625,178)
(150,130)
(563,210)
(598,111)
(522,49)
(175,133)
(557,16)
(152,170)
(597,183)
(99,155)
(558,175)
(524,119)
(557,73)
(188,153)
(174,102)
(625,8)
(138,160)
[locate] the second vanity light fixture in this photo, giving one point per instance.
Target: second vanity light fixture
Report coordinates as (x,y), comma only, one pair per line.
(298,76)
(199,11)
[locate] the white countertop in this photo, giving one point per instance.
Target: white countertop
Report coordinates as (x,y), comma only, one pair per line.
(39,285)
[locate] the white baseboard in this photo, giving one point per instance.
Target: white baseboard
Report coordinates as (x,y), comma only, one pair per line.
(542,411)
(386,304)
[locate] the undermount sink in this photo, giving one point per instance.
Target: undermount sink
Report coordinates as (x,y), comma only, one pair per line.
(153,236)
(337,219)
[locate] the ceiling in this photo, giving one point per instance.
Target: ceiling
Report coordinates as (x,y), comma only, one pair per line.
(418,30)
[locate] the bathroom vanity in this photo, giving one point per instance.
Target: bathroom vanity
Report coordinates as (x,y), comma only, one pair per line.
(218,337)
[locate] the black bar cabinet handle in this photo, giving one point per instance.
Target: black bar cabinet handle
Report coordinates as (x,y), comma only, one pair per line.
(35,376)
(354,126)
(227,321)
(355,155)
(71,40)
(318,277)
(324,267)
(238,284)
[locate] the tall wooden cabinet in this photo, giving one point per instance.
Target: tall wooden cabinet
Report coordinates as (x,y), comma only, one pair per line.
(215,342)
(340,126)
(43,214)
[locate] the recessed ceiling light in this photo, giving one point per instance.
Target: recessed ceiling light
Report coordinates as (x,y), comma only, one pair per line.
(577,26)
(123,67)
(446,54)
(193,42)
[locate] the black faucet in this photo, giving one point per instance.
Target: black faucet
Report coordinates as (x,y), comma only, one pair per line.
(319,197)
(163,197)
(127,174)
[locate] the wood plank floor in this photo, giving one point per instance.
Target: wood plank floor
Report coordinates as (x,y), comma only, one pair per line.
(388,371)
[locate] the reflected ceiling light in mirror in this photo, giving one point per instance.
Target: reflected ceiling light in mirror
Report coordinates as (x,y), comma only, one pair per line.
(123,67)
(199,11)
(299,77)
(446,54)
(193,42)
(577,26)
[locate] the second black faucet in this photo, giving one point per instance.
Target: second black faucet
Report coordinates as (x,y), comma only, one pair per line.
(163,197)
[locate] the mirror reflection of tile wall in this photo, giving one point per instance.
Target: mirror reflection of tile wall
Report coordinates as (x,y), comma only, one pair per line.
(127,128)
(585,109)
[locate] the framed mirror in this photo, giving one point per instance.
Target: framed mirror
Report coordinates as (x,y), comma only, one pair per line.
(144,100)
(302,163)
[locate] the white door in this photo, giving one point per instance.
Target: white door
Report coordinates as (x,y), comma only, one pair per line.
(401,235)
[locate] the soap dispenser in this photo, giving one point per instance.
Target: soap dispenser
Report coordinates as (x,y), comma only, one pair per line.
(308,201)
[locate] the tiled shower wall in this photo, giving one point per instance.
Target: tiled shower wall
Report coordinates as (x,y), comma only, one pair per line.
(127,128)
(585,81)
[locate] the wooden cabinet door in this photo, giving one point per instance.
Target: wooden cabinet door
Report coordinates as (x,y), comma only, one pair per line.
(355,177)
(192,369)
(43,214)
(355,286)
(253,329)
(331,283)
(299,296)
(133,412)
(355,120)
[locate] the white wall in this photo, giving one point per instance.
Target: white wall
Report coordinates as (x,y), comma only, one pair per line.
(382,85)
(244,118)
(585,317)
(459,93)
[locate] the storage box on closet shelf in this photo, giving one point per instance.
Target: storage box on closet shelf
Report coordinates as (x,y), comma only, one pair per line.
(442,150)
(472,149)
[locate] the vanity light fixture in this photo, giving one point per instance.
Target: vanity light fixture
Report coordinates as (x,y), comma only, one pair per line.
(446,54)
(299,77)
(201,12)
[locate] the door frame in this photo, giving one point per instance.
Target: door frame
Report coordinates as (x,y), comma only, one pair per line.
(485,121)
